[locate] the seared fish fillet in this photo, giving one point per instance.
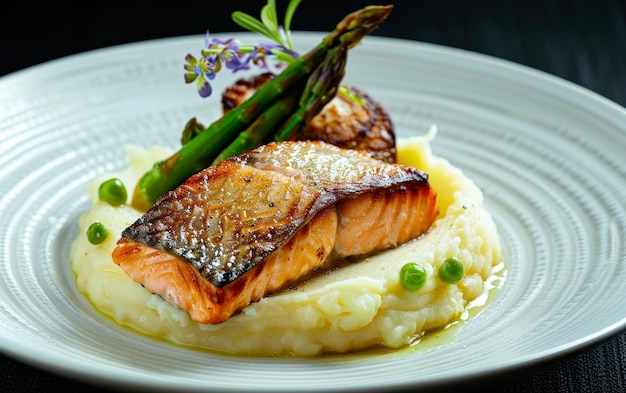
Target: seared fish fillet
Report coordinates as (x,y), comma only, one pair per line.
(258,222)
(351,121)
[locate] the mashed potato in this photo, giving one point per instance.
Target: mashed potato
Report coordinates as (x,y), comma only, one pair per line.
(357,306)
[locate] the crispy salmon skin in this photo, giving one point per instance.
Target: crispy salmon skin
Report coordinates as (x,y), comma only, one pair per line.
(253,224)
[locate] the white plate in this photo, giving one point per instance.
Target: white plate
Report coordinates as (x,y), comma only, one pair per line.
(548,155)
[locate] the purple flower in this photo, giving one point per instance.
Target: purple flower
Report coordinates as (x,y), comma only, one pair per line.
(238,63)
(202,71)
(234,56)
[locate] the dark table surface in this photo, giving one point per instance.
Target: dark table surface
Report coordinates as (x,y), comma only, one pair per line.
(580,41)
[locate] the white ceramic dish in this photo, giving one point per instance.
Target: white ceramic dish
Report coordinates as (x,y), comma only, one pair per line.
(548,155)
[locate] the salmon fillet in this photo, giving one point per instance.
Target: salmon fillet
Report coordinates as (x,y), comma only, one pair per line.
(256,223)
(383,219)
(178,282)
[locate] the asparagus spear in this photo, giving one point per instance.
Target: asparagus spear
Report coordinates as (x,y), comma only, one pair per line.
(202,150)
(192,129)
(260,129)
(321,87)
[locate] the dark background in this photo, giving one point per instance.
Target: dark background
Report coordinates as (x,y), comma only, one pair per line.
(581,41)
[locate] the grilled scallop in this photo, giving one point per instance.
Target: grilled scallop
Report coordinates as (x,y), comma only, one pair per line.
(351,120)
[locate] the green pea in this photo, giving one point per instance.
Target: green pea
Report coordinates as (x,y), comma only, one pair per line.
(97,233)
(113,191)
(413,276)
(451,271)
